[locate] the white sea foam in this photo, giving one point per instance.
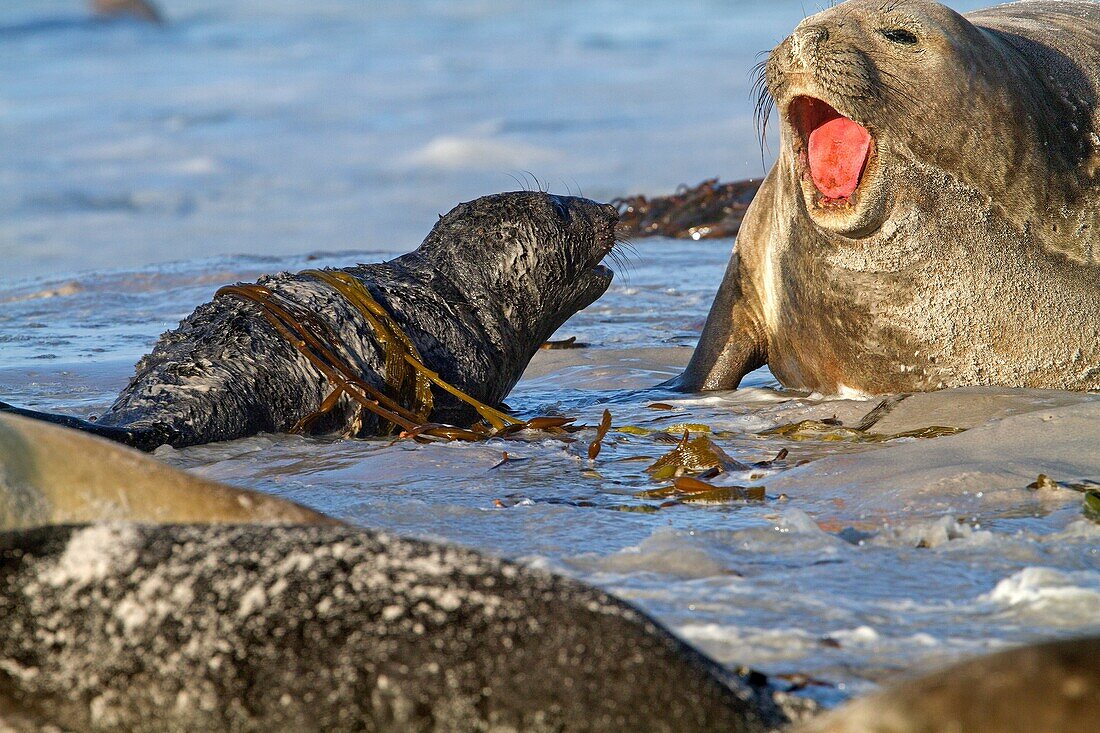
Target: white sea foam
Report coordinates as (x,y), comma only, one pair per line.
(1060,596)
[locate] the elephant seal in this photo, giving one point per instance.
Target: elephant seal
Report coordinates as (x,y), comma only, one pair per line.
(933,218)
(492,281)
(1052,687)
(53,475)
(258,628)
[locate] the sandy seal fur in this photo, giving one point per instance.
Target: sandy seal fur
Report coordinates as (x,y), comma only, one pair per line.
(969,254)
(1054,686)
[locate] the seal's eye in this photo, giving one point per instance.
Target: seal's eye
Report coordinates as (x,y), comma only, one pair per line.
(899,35)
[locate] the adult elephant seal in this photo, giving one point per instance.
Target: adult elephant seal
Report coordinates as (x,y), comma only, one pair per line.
(249,628)
(1052,687)
(492,281)
(933,218)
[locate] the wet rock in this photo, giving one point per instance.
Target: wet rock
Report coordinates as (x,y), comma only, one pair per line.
(710,210)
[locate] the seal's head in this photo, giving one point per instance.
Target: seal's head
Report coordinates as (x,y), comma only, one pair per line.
(868,87)
(527,260)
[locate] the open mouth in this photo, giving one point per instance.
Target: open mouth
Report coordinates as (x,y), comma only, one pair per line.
(834,149)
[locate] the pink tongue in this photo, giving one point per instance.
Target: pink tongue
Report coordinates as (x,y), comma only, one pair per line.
(838,150)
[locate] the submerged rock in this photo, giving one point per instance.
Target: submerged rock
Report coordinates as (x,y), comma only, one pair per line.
(121,626)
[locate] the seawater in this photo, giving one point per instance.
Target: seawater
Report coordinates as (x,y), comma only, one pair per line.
(143,168)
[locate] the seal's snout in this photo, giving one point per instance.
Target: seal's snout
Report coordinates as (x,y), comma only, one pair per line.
(834,148)
(804,44)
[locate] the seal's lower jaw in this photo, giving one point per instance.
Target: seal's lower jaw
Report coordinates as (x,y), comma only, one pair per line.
(597,279)
(838,166)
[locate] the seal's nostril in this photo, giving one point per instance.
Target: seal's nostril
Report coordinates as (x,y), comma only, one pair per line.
(814,34)
(805,43)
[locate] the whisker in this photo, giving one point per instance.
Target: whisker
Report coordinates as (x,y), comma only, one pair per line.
(515,178)
(763,104)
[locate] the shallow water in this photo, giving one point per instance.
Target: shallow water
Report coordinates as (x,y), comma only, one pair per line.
(872,559)
(277,128)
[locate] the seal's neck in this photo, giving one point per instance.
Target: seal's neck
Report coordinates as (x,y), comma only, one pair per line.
(459,330)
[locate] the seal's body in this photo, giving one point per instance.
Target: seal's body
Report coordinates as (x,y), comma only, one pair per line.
(933,218)
(492,281)
(252,628)
(1053,686)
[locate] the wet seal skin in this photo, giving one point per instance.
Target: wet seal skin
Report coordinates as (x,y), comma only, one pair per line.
(247,628)
(492,281)
(932,219)
(1045,688)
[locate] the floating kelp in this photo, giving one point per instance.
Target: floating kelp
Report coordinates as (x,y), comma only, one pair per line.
(569,343)
(1046,483)
(781,455)
(1043,483)
(507,459)
(693,456)
(833,431)
(1092,505)
(634,508)
(691,427)
(1091,490)
(601,433)
(660,406)
(675,429)
(690,490)
(932,431)
(548,423)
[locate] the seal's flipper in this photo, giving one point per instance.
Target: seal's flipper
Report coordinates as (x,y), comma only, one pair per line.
(732,343)
(144,438)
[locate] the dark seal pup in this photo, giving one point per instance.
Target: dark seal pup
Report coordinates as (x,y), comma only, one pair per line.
(248,628)
(933,218)
(492,281)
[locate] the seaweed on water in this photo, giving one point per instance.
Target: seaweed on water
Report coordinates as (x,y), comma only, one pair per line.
(833,431)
